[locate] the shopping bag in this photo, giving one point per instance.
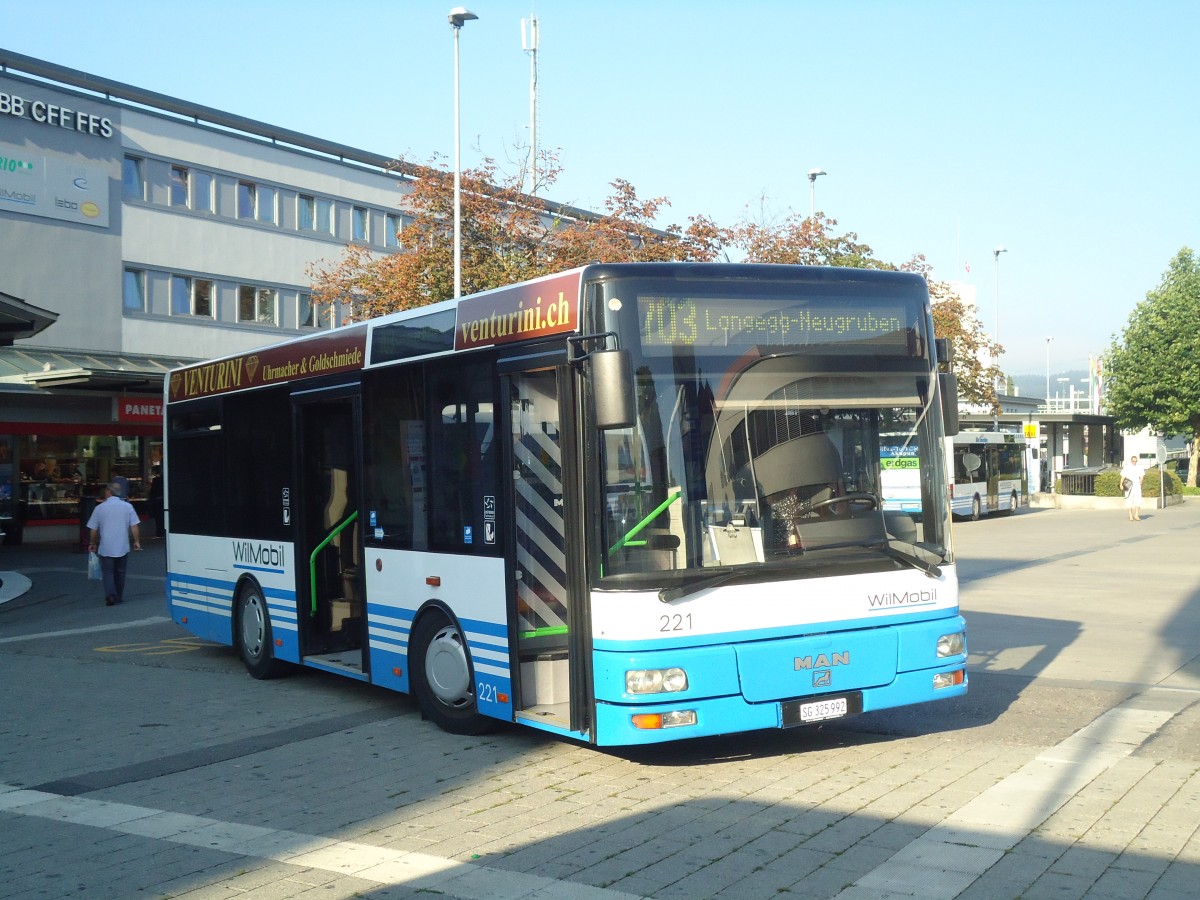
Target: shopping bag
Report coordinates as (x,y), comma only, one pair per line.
(93,566)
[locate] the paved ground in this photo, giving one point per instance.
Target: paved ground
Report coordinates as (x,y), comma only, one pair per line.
(136,761)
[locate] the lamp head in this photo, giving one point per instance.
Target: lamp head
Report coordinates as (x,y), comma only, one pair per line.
(996,253)
(813,173)
(459,15)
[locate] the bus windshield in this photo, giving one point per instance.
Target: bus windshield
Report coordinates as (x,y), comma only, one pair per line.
(763,413)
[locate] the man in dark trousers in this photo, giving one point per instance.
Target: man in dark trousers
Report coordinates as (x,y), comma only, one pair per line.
(112,524)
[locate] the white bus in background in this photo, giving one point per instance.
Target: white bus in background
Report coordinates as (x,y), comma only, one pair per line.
(989,472)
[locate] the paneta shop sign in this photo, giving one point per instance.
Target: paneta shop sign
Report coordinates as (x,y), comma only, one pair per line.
(139,409)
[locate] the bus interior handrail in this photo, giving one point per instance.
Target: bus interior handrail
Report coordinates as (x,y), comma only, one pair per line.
(312,559)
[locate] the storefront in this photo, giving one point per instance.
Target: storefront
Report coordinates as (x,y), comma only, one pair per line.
(67,430)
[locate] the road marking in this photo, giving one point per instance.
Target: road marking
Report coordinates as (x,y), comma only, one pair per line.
(111,626)
(165,647)
(421,871)
(949,857)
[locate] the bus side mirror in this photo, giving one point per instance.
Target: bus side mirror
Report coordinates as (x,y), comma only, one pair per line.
(948,388)
(945,350)
(612,387)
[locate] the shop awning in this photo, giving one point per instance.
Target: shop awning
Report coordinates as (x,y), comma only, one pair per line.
(83,370)
(19,319)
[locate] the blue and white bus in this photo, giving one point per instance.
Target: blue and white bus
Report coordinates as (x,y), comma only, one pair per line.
(624,504)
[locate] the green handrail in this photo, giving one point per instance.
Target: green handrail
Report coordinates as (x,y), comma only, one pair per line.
(626,542)
(312,560)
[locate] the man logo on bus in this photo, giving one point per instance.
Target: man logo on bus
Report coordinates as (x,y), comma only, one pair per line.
(823,661)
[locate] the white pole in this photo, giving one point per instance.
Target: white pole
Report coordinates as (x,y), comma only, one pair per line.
(1048,340)
(457,17)
(999,378)
(532,49)
(457,180)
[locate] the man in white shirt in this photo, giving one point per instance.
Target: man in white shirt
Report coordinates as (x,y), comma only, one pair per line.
(111,525)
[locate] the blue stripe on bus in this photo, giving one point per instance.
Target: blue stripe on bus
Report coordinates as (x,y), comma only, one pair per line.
(389,629)
(207,604)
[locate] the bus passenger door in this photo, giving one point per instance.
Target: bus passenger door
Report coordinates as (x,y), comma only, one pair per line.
(546,613)
(329,535)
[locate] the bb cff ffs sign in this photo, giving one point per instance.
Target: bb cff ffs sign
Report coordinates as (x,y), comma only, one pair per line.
(44,113)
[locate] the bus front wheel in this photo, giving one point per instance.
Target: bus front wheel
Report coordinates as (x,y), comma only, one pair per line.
(442,678)
(252,634)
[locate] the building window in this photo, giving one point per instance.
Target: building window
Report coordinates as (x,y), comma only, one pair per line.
(394,224)
(256,304)
(135,290)
(306,213)
(202,192)
(191,296)
(314,214)
(314,315)
(256,201)
(134,182)
(179,186)
(362,224)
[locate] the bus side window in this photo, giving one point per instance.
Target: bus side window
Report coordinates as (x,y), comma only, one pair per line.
(396,488)
(461,459)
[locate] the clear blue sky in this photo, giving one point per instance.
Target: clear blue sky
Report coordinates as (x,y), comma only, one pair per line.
(1066,132)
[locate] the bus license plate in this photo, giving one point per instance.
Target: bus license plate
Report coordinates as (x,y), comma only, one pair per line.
(833,708)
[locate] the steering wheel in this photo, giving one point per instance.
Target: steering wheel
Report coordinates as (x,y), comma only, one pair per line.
(862,499)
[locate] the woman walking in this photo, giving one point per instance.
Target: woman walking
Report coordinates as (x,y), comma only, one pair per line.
(1131,483)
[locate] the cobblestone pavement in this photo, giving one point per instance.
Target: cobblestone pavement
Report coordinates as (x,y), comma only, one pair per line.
(136,761)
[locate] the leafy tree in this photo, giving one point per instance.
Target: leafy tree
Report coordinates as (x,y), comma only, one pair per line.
(1152,375)
(954,319)
(507,236)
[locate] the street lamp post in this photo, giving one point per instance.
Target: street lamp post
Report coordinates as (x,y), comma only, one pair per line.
(1048,340)
(996,337)
(996,253)
(813,174)
(457,17)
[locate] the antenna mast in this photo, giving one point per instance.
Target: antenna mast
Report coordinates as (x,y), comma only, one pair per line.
(529,43)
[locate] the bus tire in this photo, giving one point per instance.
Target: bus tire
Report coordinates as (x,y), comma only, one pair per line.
(976,508)
(442,679)
(252,634)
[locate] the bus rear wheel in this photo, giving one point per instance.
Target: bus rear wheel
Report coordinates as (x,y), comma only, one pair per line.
(252,635)
(441,676)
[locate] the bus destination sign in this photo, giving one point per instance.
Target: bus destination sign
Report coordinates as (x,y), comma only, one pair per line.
(536,309)
(326,355)
(719,325)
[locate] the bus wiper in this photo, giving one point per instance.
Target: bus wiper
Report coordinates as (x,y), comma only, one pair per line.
(715,578)
(932,569)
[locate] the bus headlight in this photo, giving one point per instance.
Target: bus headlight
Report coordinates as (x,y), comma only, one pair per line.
(655,681)
(951,645)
